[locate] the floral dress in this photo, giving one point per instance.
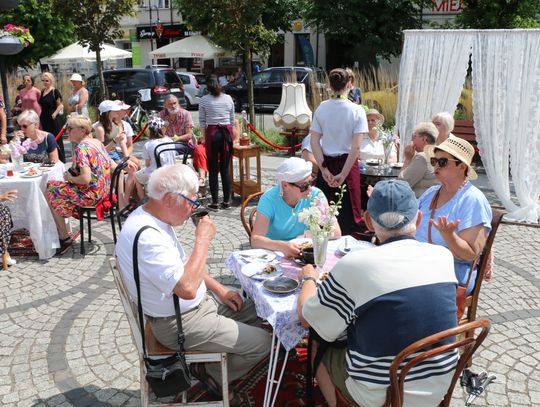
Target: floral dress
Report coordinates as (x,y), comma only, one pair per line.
(65,197)
(5,227)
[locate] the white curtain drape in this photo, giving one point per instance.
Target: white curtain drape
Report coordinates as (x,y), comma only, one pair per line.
(506,106)
(431,76)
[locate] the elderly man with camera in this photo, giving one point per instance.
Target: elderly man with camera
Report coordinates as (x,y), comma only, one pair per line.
(383,299)
(214,318)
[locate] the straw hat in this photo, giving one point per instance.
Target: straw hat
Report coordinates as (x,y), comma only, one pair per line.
(461,149)
(375,112)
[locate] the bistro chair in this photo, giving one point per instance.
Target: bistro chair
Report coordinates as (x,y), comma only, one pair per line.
(113,197)
(431,346)
(154,348)
(247,218)
(169,146)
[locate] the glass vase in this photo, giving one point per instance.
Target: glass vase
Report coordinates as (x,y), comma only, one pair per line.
(17,161)
(320,244)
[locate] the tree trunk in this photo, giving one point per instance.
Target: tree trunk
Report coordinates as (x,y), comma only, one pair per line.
(102,85)
(249,77)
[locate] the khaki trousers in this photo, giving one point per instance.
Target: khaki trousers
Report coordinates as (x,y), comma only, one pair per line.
(214,327)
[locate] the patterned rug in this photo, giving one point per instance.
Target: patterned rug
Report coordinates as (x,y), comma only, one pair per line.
(292,392)
(21,244)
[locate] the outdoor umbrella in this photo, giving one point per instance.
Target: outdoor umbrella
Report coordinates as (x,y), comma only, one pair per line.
(76,52)
(196,46)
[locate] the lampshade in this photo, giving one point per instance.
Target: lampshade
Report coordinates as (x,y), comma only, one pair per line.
(293,111)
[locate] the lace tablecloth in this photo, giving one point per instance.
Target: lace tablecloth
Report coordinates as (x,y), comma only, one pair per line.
(31,211)
(279,309)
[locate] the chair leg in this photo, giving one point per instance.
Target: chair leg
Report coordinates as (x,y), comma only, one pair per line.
(111,214)
(81,230)
(5,260)
(224,380)
(89,214)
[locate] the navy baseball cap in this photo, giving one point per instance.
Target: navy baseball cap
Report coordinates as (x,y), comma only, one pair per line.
(392,196)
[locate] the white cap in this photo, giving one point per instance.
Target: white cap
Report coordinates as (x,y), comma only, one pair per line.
(76,77)
(109,106)
(122,105)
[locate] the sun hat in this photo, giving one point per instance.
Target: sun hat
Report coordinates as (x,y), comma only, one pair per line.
(293,169)
(108,106)
(461,149)
(392,196)
(375,112)
(76,77)
(123,105)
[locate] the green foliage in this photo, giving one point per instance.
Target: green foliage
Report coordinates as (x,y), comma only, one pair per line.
(377,23)
(51,30)
(97,22)
(484,14)
(271,135)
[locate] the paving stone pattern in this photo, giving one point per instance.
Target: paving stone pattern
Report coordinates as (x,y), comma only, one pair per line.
(64,340)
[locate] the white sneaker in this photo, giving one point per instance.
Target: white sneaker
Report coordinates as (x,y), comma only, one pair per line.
(11,261)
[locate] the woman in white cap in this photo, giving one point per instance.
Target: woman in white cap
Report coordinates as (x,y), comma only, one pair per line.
(455,214)
(371,147)
(277,212)
(78,101)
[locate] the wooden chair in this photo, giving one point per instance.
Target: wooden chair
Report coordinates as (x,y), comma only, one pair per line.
(429,347)
(248,222)
(471,302)
(5,260)
(154,348)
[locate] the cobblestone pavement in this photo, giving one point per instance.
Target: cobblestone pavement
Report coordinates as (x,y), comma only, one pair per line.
(64,339)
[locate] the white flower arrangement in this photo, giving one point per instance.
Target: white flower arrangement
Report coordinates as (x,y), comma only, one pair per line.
(319,217)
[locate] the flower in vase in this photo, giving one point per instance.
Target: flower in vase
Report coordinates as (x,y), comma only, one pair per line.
(319,217)
(18,147)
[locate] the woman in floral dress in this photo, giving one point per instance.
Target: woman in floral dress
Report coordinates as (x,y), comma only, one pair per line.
(6,224)
(86,183)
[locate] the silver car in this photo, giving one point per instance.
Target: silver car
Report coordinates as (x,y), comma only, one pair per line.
(194,87)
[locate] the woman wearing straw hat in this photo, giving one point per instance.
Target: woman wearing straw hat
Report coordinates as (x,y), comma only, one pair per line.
(78,101)
(371,147)
(455,214)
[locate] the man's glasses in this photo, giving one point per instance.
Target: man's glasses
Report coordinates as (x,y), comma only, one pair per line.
(194,204)
(441,162)
(304,187)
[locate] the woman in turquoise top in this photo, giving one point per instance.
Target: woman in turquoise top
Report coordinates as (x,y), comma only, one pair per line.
(455,214)
(277,213)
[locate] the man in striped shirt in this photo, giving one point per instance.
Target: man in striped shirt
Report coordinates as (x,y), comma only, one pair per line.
(385,298)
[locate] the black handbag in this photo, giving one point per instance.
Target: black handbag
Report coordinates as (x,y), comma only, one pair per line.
(166,376)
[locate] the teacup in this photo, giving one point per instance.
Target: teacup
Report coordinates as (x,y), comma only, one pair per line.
(196,217)
(307,255)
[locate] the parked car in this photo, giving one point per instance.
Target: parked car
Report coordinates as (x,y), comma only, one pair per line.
(267,86)
(154,83)
(194,87)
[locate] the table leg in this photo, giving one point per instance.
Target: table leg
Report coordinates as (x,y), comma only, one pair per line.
(272,385)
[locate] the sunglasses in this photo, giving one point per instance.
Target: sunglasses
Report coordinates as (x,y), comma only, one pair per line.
(304,187)
(69,128)
(25,126)
(194,204)
(441,162)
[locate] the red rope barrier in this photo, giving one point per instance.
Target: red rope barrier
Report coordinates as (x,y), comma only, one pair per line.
(62,130)
(140,133)
(254,130)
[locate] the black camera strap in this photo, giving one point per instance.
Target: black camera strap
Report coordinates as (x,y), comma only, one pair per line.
(180,334)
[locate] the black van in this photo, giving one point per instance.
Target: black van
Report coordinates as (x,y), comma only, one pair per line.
(124,84)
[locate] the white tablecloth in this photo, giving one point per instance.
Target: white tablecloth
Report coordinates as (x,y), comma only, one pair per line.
(278,309)
(31,211)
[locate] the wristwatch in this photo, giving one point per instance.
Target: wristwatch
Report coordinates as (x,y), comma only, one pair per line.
(309,278)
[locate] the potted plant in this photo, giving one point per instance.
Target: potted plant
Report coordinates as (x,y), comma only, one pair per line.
(13,38)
